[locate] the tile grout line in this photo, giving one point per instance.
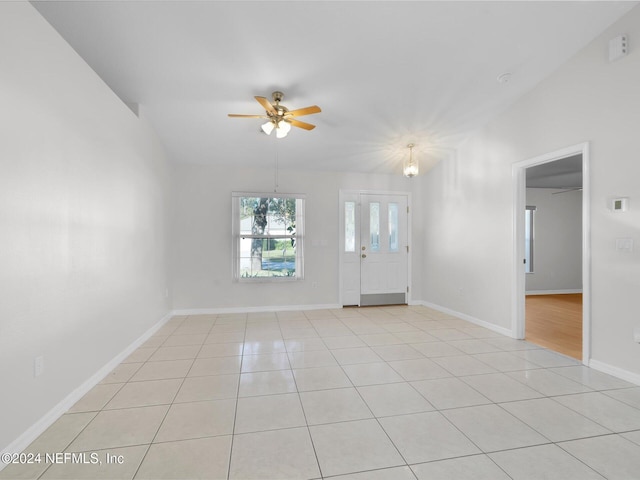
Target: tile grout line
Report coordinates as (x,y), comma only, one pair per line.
(373,415)
(235,413)
(304,413)
(165,414)
(102,409)
(170,404)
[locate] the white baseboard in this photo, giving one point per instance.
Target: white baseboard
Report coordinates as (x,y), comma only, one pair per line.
(481,323)
(552,292)
(615,371)
(279,308)
(24,440)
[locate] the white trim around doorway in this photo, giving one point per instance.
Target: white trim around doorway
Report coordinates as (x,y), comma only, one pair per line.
(519,204)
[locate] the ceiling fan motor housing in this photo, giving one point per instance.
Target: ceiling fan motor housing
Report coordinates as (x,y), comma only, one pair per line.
(280,109)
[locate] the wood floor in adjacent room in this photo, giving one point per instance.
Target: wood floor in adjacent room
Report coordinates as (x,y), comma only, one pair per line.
(555,322)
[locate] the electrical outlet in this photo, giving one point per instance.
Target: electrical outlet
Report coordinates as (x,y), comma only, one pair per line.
(38,366)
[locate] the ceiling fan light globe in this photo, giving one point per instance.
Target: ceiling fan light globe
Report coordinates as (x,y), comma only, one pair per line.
(268,127)
(282,129)
(280,133)
(284,126)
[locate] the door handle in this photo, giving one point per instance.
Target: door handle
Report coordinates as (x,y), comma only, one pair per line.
(364,255)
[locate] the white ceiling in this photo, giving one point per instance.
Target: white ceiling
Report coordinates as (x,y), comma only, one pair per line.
(384,73)
(565,173)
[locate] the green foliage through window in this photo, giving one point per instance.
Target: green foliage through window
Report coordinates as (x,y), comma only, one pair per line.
(268,239)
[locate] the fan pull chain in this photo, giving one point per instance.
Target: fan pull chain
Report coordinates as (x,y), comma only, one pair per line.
(275,176)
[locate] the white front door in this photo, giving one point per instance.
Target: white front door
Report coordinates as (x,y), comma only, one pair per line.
(375,249)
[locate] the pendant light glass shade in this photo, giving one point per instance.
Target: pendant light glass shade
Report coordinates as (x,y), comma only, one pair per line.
(410,167)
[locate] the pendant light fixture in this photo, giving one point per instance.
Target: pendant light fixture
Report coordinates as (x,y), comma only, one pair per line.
(410,167)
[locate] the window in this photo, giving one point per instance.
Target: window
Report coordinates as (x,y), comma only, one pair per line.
(374,226)
(349,226)
(268,236)
(393,227)
(528,239)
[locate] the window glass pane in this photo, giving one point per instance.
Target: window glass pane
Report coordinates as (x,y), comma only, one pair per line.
(349,226)
(393,227)
(267,257)
(247,207)
(528,239)
(268,239)
(374,226)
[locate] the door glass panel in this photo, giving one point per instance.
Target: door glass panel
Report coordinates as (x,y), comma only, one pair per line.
(393,227)
(349,226)
(374,226)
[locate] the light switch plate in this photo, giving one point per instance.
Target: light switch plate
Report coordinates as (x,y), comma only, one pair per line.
(38,366)
(624,245)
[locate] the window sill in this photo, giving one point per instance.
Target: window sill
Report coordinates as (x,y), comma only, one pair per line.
(267,279)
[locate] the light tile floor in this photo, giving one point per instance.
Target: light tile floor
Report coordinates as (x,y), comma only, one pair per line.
(373,393)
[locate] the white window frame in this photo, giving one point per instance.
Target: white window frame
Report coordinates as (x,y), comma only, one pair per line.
(237,237)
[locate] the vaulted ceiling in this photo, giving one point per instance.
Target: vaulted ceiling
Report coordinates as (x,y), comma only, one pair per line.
(385,73)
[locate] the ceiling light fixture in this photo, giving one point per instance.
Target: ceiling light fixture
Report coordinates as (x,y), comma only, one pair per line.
(410,167)
(280,117)
(282,127)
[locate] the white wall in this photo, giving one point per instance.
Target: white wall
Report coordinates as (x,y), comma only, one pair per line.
(557,258)
(82,221)
(201,260)
(469,200)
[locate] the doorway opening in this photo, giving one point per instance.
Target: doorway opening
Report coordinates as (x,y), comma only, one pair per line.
(551,260)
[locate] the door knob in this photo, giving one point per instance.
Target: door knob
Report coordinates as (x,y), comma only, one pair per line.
(364,255)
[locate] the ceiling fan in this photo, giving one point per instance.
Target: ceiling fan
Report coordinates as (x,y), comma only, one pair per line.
(280,117)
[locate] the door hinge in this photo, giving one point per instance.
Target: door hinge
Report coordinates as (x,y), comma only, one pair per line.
(407,208)
(407,289)
(407,248)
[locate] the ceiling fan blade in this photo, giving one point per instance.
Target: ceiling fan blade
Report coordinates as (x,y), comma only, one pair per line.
(266,105)
(246,116)
(299,124)
(572,189)
(303,111)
